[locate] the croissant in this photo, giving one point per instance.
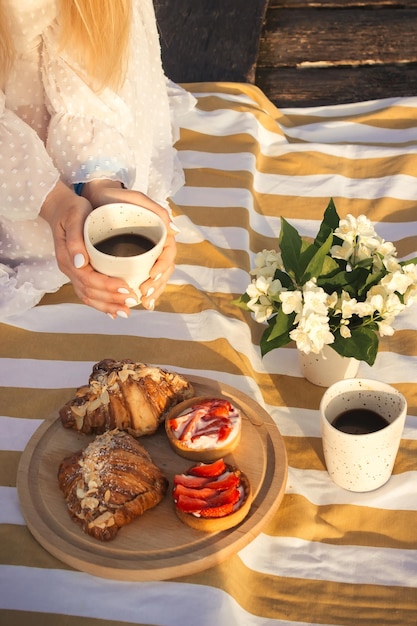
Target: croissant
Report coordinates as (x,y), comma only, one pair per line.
(125,395)
(110,483)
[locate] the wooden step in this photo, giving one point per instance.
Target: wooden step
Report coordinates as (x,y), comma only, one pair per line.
(319,53)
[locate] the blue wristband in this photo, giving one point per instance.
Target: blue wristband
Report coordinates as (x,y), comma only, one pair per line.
(78,188)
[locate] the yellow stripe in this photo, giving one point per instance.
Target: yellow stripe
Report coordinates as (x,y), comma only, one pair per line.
(25,618)
(344,524)
(390,118)
(18,547)
(307,453)
(310,162)
(310,601)
(207,255)
(294,599)
(9,462)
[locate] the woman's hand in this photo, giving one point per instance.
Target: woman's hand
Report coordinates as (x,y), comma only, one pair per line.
(99,192)
(66,213)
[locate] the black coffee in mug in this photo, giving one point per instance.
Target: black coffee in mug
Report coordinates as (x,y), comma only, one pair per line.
(125,244)
(359,421)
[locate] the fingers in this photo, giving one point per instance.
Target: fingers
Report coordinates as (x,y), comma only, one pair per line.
(160,273)
(109,295)
(66,214)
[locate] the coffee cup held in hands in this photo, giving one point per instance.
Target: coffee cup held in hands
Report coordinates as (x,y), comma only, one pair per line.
(361,423)
(124,240)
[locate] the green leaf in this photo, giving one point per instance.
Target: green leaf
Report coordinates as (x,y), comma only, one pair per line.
(284,279)
(276,334)
(241,302)
(314,268)
(329,223)
(362,345)
(290,244)
(371,279)
(280,324)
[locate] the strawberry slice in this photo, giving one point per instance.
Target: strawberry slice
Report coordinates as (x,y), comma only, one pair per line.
(217,511)
(208,469)
(230,480)
(219,428)
(193,482)
(217,408)
(191,425)
(190,505)
(229,496)
(201,493)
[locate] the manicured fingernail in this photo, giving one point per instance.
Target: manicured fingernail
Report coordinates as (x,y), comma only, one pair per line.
(130,302)
(174,227)
(157,277)
(123,290)
(122,314)
(111,316)
(150,291)
(151,305)
(79,260)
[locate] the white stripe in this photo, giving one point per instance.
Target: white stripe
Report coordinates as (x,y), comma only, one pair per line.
(9,507)
(16,432)
(44,374)
(347,151)
(193,159)
(344,131)
(295,422)
(205,326)
(401,186)
(221,237)
(389,367)
(291,421)
(233,122)
(297,558)
(317,487)
(354,108)
(229,97)
(157,603)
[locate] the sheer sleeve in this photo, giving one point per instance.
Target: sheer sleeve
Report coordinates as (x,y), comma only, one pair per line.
(127,135)
(89,133)
(27,173)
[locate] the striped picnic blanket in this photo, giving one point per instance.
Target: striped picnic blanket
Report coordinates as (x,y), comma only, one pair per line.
(328,556)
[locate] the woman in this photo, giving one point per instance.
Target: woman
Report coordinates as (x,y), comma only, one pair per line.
(85,120)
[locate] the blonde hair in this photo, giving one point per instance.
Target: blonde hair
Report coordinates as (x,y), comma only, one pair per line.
(95,31)
(6,46)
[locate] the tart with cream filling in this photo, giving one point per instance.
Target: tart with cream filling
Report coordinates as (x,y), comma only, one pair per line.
(212,496)
(204,428)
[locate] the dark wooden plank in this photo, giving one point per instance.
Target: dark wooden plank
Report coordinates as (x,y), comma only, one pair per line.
(344,4)
(215,40)
(292,37)
(291,87)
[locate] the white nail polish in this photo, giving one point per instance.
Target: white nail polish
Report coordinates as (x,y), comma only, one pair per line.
(151,305)
(123,290)
(122,314)
(174,227)
(157,277)
(130,302)
(111,316)
(150,291)
(79,260)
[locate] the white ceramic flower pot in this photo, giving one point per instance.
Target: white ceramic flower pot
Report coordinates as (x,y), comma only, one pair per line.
(361,462)
(328,367)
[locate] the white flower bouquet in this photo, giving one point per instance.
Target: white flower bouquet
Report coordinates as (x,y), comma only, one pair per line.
(343,289)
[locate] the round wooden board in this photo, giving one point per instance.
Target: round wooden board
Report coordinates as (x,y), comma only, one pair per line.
(155,546)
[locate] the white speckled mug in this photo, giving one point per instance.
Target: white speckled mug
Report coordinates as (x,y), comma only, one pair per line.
(124,219)
(361,462)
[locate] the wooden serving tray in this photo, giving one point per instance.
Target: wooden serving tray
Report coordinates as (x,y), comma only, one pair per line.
(155,546)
